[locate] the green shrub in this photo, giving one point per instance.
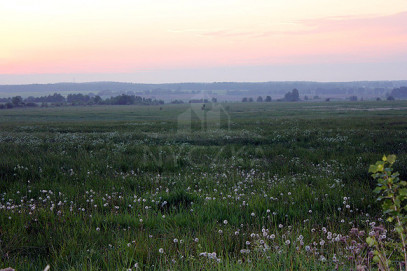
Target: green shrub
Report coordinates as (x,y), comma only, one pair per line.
(393,194)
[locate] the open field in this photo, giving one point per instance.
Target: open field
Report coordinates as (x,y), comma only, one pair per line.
(261,186)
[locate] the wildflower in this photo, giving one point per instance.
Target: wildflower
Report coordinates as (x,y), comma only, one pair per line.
(161,250)
(287,242)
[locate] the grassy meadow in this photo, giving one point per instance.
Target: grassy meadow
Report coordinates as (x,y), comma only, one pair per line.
(264,186)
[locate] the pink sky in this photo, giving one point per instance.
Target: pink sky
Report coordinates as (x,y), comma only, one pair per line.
(132,37)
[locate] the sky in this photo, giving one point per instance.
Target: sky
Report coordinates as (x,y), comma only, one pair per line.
(156,41)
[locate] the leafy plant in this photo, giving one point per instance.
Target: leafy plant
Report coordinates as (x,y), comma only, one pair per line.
(393,194)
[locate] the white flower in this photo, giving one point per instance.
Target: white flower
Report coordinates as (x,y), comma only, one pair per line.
(175,240)
(161,250)
(225,222)
(287,242)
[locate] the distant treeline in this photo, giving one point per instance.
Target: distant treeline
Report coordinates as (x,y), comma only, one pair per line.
(400,93)
(75,99)
(291,96)
(107,89)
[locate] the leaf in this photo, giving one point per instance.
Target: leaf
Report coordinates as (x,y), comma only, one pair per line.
(390,219)
(399,229)
(391,158)
(378,190)
(403,192)
(370,241)
(373,169)
(384,158)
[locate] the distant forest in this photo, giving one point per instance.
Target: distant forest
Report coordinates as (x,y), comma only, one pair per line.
(109,93)
(108,89)
(75,99)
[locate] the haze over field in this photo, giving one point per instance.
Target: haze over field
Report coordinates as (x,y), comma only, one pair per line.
(184,41)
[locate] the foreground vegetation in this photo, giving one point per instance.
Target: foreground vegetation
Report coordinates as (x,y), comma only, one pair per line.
(267,186)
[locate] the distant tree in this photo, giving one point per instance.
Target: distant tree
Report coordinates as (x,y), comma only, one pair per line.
(9,105)
(214,100)
(327,99)
(78,98)
(353,98)
(295,94)
(97,99)
(399,92)
(259,99)
(245,100)
(378,99)
(17,100)
(390,98)
(268,99)
(250,100)
(123,100)
(306,98)
(292,96)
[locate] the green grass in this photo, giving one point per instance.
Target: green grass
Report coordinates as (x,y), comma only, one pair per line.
(104,188)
